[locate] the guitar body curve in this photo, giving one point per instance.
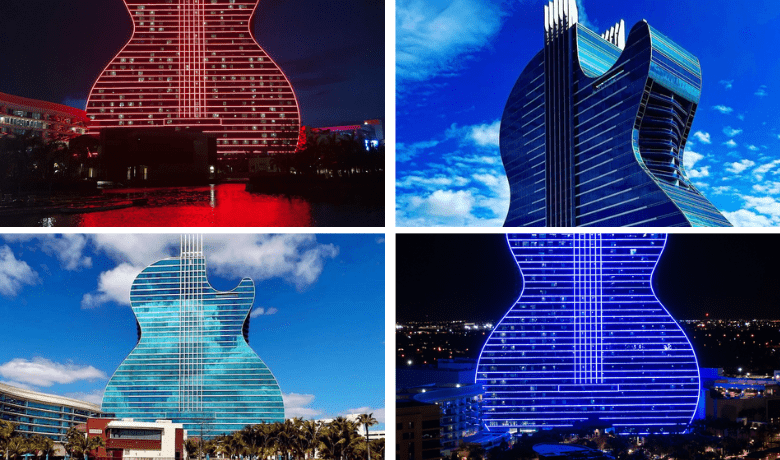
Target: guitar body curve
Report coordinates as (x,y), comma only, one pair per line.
(196,64)
(192,363)
(588,342)
(594,132)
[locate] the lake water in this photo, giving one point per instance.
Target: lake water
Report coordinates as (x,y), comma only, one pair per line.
(224,205)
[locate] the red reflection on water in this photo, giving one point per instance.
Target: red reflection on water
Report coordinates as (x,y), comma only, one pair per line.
(225,205)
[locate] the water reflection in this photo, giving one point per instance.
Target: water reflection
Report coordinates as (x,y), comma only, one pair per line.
(224,205)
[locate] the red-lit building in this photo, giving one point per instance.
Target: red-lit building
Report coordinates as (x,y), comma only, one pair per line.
(128,439)
(195,64)
(22,116)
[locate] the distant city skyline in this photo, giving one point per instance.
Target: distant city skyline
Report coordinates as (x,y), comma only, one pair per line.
(333,55)
(474,277)
(317,321)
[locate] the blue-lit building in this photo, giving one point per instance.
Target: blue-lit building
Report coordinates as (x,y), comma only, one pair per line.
(192,363)
(43,414)
(594,130)
(588,343)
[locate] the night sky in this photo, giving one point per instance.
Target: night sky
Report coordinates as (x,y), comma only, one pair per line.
(332,52)
(475,277)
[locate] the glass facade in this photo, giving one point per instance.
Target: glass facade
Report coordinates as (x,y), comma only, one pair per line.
(192,363)
(196,64)
(594,131)
(588,341)
(43,414)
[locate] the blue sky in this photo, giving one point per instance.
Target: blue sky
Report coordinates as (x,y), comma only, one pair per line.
(457,61)
(318,318)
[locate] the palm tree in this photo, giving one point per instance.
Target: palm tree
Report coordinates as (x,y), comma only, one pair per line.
(41,445)
(16,446)
(367,420)
(7,431)
(79,444)
(310,431)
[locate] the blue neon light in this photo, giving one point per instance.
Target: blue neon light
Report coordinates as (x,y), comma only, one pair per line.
(588,340)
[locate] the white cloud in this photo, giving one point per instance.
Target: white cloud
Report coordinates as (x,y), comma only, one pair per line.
(760,171)
(745,218)
(698,173)
(731,132)
(723,109)
(691,158)
(296,405)
(730,143)
(137,249)
(727,84)
(445,203)
(435,38)
(378,413)
(380,240)
(94,396)
(753,148)
(761,91)
(486,134)
(739,166)
(407,152)
(42,372)
(14,273)
(259,311)
(771,188)
(297,258)
(764,205)
(113,286)
(702,137)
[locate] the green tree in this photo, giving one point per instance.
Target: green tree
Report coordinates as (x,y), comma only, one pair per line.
(367,420)
(7,431)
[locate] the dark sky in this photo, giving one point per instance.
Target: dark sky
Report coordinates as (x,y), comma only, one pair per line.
(332,51)
(474,277)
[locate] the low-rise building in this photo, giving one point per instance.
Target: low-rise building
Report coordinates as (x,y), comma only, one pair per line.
(43,414)
(22,116)
(128,439)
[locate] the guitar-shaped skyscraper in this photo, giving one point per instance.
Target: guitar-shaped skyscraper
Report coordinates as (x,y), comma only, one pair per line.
(594,131)
(192,363)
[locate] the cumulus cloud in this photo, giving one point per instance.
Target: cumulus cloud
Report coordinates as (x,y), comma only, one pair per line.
(691,158)
(378,413)
(730,143)
(746,218)
(771,188)
(761,91)
(445,203)
(297,258)
(263,312)
(739,166)
(41,372)
(113,286)
(486,134)
(296,405)
(698,173)
(760,171)
(14,273)
(727,84)
(433,38)
(702,137)
(723,109)
(407,152)
(731,132)
(753,148)
(764,205)
(94,396)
